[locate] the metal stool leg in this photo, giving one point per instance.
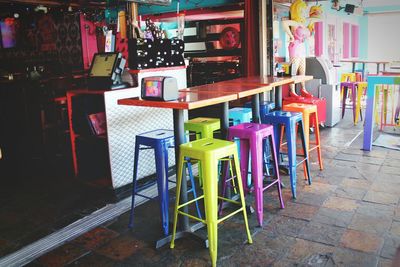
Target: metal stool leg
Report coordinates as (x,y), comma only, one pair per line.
(135,170)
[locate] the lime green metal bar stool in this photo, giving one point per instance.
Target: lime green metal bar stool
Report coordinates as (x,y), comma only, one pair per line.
(209,152)
(203,127)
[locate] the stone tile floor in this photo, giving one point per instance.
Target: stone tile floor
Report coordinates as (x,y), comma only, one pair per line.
(349,216)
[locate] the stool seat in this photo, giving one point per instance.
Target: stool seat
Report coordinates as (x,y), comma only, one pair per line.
(240,115)
(206,147)
(251,129)
(300,107)
(202,126)
(150,138)
(282,116)
(319,102)
(208,152)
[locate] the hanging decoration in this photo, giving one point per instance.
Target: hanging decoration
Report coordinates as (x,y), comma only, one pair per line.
(315,13)
(152,31)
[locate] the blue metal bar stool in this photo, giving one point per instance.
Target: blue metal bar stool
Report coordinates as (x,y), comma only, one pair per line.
(265,107)
(289,120)
(160,141)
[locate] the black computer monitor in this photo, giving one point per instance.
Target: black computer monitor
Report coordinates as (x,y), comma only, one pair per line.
(106,70)
(103,65)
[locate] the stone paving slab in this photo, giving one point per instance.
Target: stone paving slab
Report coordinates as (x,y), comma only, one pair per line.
(322,233)
(390,246)
(333,217)
(381,197)
(361,241)
(339,203)
(370,224)
(349,216)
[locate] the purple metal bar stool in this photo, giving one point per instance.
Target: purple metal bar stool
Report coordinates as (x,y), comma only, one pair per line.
(251,136)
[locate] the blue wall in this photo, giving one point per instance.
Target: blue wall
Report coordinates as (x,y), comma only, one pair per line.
(184,5)
(363,48)
(382,9)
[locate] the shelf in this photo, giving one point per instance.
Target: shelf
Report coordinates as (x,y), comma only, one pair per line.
(216,52)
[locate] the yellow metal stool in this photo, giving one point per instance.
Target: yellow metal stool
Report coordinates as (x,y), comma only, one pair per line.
(209,152)
(308,111)
(203,127)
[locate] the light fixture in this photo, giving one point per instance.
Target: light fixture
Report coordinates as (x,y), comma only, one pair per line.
(41,8)
(152,2)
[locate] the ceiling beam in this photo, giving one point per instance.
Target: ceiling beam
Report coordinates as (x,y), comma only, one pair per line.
(76,3)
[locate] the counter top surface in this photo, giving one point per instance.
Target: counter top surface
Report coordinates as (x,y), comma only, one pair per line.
(364,61)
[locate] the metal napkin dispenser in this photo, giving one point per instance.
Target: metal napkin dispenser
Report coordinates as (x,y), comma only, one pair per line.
(160,88)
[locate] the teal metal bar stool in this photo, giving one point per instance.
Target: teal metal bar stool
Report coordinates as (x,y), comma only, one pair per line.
(239,115)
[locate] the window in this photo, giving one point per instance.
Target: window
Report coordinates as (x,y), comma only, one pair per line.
(351,34)
(355,33)
(346,40)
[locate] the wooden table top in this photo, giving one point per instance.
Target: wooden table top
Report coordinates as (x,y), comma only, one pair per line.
(269,80)
(186,100)
(241,89)
(260,80)
(363,61)
(216,93)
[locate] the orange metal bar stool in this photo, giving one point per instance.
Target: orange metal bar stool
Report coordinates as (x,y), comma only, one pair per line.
(309,112)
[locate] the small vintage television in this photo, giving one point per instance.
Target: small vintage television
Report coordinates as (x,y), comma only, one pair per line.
(349,8)
(160,88)
(106,70)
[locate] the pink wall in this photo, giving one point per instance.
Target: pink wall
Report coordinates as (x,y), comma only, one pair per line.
(319,43)
(346,40)
(355,32)
(89,41)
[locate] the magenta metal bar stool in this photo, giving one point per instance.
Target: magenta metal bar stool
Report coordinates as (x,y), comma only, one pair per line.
(251,136)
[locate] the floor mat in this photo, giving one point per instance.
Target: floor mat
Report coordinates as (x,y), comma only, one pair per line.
(388,140)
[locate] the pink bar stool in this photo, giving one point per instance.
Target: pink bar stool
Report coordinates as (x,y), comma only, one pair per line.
(252,137)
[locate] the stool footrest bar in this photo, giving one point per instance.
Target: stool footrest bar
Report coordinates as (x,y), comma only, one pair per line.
(191,216)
